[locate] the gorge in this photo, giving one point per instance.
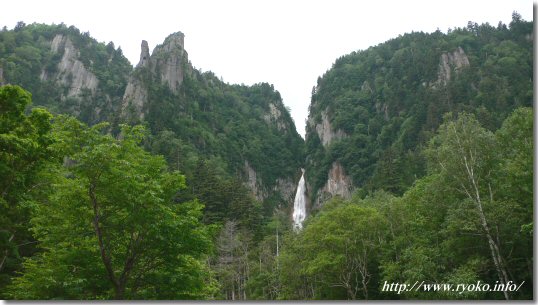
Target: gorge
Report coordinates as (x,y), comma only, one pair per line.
(160,181)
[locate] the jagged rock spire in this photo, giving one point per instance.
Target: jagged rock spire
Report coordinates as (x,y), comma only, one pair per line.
(169,60)
(167,64)
(144,55)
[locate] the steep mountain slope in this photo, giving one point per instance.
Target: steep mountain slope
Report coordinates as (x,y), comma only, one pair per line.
(247,127)
(374,109)
(242,131)
(114,220)
(65,70)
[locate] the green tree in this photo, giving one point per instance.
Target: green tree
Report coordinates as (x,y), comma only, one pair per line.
(514,185)
(438,232)
(111,228)
(465,154)
(232,265)
(264,282)
(24,142)
(339,249)
(515,139)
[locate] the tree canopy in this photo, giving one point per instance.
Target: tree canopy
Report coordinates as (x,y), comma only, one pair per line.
(112,215)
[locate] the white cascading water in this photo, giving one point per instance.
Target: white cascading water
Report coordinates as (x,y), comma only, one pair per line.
(299,205)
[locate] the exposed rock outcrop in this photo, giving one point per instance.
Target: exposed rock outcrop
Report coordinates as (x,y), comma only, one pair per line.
(338,183)
(58,41)
(136,92)
(286,187)
(254,183)
(167,61)
(456,60)
(274,116)
(382,108)
(366,87)
(167,64)
(134,98)
(325,130)
(144,55)
(71,71)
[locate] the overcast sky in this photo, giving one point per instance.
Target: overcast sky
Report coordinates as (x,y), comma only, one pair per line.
(287,43)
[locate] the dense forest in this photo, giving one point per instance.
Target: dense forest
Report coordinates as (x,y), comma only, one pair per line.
(384,103)
(151,183)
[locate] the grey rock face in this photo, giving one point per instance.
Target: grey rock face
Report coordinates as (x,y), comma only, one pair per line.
(58,41)
(253,183)
(338,183)
(166,64)
(456,60)
(286,187)
(168,59)
(71,71)
(134,98)
(325,130)
(144,55)
(274,116)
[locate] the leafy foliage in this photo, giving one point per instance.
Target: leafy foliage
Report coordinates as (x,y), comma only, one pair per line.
(461,223)
(27,59)
(228,124)
(110,227)
(339,248)
(390,98)
(103,212)
(24,151)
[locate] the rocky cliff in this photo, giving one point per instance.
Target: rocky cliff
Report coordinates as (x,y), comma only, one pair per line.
(253,183)
(243,131)
(169,61)
(65,70)
(372,113)
(274,116)
(326,133)
(338,184)
(71,72)
(336,180)
(136,92)
(449,63)
(167,65)
(247,127)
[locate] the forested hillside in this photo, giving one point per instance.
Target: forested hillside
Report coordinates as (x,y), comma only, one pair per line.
(244,131)
(425,144)
(67,71)
(163,182)
(236,145)
(374,110)
(467,222)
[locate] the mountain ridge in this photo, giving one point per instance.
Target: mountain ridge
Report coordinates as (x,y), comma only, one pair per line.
(70,72)
(372,112)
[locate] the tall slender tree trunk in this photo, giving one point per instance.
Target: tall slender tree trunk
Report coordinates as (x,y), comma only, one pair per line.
(494,248)
(102,249)
(470,186)
(120,292)
(6,253)
(351,293)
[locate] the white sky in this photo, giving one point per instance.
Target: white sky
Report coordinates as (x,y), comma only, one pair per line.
(287,43)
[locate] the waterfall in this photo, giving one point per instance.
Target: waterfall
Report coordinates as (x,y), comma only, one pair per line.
(299,205)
